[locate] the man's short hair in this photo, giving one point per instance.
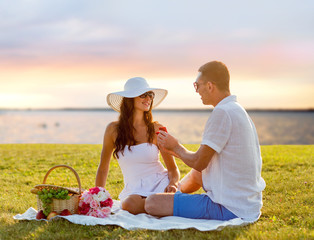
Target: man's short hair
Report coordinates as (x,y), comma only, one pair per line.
(217,73)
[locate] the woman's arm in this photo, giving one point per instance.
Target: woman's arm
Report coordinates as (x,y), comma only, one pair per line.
(173,172)
(107,149)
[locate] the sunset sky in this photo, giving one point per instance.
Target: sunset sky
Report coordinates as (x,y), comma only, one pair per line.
(72,53)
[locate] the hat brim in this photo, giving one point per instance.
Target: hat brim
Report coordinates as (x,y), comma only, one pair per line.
(114,99)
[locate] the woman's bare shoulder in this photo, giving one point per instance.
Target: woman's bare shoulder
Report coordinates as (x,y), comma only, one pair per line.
(113,124)
(111,132)
(112,127)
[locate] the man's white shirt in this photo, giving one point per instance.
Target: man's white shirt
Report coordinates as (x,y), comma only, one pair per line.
(233,177)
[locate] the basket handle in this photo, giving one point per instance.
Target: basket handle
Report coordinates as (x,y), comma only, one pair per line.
(65,166)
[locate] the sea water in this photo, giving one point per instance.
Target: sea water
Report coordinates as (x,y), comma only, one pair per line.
(88,127)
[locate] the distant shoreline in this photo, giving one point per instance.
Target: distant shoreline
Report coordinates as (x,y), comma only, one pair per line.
(155,110)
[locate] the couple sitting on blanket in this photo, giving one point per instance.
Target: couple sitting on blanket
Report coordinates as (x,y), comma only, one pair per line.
(227,165)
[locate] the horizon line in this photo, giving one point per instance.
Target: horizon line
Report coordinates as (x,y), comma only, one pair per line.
(158,109)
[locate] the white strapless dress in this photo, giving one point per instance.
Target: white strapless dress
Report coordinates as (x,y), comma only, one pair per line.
(143,173)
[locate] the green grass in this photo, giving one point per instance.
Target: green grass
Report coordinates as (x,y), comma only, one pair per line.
(288,198)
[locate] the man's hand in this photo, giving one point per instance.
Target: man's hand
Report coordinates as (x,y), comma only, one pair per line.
(167,142)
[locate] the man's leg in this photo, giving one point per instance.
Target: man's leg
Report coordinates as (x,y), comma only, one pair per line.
(191,182)
(160,204)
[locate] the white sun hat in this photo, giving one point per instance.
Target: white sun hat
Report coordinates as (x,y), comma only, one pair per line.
(135,87)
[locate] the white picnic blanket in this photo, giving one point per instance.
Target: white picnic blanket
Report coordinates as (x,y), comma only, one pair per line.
(129,221)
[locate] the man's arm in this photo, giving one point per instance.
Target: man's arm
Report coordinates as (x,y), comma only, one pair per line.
(198,160)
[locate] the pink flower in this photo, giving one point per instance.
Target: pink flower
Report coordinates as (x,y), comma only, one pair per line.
(106,211)
(88,198)
(100,214)
(94,190)
(93,213)
(94,204)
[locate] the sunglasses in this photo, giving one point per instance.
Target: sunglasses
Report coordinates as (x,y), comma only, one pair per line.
(197,85)
(150,94)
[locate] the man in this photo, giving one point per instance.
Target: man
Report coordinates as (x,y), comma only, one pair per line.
(227,165)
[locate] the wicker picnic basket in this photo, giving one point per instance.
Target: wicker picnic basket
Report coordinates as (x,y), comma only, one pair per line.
(59,205)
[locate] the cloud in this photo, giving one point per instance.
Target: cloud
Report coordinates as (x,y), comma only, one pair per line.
(105,41)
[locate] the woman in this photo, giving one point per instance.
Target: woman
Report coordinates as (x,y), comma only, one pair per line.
(133,141)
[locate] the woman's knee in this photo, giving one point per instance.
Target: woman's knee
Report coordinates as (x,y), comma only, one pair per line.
(129,203)
(133,204)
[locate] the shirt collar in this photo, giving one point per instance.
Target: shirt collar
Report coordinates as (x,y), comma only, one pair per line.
(231,98)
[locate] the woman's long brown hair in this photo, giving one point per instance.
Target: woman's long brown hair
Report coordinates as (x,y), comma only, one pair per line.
(125,128)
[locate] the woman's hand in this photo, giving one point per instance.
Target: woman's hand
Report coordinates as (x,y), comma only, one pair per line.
(171,188)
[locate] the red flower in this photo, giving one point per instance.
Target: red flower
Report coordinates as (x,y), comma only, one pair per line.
(163,129)
(84,208)
(107,203)
(94,190)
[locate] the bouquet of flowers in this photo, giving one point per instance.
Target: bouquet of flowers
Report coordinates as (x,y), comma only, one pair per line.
(96,203)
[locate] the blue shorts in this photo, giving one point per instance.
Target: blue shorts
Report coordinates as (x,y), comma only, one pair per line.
(199,206)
